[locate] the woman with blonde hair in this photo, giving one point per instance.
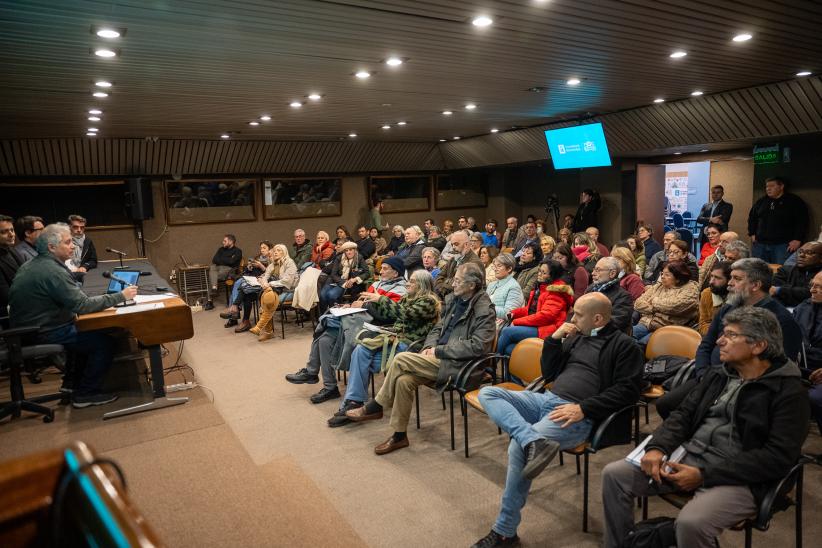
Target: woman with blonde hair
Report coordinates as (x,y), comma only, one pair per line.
(279,277)
(564,236)
(547,245)
(629,280)
(586,251)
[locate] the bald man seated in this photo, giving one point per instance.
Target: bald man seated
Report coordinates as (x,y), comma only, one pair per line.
(596,369)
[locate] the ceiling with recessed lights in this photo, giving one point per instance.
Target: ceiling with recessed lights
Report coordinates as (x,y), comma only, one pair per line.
(355,69)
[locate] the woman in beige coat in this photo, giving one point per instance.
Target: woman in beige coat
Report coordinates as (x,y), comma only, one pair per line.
(674,300)
(278,284)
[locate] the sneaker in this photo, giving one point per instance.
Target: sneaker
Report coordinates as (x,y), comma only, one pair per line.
(339,418)
(67,387)
(79,401)
(302,377)
(208,305)
(493,539)
(325,394)
(538,454)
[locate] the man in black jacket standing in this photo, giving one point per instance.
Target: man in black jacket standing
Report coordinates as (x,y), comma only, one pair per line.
(777,223)
(742,427)
(588,211)
(595,369)
(717,211)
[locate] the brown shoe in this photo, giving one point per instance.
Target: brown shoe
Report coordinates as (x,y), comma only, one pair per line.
(243,327)
(358,415)
(254,330)
(390,445)
(265,335)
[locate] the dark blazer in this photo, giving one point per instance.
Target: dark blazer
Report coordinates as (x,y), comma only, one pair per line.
(723,209)
(88,258)
(809,317)
(793,284)
(10,261)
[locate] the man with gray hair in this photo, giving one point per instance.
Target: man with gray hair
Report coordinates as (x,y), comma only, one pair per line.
(749,285)
(411,251)
(742,427)
(606,281)
(465,332)
(300,250)
(435,238)
(461,254)
(84,257)
(725,239)
(44,294)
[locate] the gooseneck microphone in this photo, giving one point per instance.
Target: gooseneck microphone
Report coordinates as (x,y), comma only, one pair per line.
(116,278)
(118,252)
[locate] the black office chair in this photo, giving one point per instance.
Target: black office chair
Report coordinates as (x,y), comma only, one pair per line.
(15,356)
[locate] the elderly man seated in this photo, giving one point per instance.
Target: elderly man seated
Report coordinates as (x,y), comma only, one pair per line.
(45,294)
(809,317)
(390,284)
(790,283)
(595,369)
(461,254)
(606,281)
(466,331)
(742,428)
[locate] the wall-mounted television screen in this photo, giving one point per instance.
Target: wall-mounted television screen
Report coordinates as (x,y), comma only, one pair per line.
(578,146)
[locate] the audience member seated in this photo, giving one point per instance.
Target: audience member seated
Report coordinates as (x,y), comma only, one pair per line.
(645,233)
(790,283)
(426,226)
(45,294)
(467,330)
(224,263)
(410,319)
(718,255)
(629,280)
(527,267)
(254,268)
(748,286)
(397,240)
(606,281)
(411,251)
(444,283)
(323,251)
(808,314)
(565,236)
(512,233)
(435,238)
(347,275)
(462,223)
(277,282)
(743,429)
(586,251)
(10,262)
(487,254)
(490,237)
(300,251)
(712,234)
(475,242)
(391,284)
(447,228)
(546,310)
(593,233)
(595,369)
(504,291)
(575,274)
(713,297)
(343,233)
(638,250)
(431,260)
(365,245)
(84,257)
(677,251)
(306,294)
(28,229)
(547,245)
(673,300)
(380,244)
(529,236)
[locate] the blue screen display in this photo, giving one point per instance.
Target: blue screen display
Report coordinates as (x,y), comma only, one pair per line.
(578,146)
(130,276)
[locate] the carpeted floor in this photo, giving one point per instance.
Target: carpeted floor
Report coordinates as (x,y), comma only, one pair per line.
(258,466)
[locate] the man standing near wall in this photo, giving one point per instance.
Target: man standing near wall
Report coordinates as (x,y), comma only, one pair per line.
(777,223)
(377,220)
(717,211)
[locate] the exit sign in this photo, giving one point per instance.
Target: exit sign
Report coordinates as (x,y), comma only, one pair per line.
(766,154)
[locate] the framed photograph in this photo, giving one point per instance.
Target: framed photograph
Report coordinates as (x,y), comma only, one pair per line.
(459,191)
(195,201)
(401,193)
(293,198)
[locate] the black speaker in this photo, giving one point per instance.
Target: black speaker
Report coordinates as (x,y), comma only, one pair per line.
(139,201)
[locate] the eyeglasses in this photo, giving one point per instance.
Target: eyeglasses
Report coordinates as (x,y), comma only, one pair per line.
(806,252)
(732,335)
(598,269)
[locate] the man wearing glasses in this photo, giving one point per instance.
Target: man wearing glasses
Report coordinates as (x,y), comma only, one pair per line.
(790,283)
(742,429)
(809,317)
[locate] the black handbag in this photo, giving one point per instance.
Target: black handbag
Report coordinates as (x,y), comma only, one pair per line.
(652,533)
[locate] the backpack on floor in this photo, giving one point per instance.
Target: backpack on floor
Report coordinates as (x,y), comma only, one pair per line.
(652,533)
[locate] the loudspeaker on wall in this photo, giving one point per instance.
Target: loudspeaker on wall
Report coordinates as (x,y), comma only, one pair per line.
(139,200)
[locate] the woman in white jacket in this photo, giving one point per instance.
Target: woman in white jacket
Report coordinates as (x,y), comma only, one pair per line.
(505,291)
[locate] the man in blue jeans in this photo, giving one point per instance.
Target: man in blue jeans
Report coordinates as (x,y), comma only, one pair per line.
(777,223)
(595,369)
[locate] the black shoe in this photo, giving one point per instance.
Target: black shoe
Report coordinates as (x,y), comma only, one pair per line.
(230,323)
(339,418)
(80,401)
(208,306)
(325,394)
(302,377)
(67,387)
(495,539)
(538,454)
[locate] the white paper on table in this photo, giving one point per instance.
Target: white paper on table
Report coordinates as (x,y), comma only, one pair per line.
(252,281)
(139,308)
(337,312)
(139,299)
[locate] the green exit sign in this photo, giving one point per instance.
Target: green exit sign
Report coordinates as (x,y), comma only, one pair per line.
(766,154)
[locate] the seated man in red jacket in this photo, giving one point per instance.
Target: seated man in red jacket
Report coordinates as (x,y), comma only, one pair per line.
(742,426)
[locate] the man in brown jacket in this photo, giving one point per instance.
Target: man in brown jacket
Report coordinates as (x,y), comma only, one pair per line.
(713,297)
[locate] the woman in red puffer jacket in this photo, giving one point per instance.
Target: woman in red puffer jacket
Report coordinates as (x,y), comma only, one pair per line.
(545,311)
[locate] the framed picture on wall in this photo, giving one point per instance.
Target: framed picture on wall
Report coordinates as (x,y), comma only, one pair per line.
(195,201)
(294,198)
(461,190)
(401,193)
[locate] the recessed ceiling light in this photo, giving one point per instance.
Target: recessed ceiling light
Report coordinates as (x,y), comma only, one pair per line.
(362,74)
(678,54)
(394,61)
(457,138)
(105,52)
(95,111)
(102,84)
(470,106)
(443,140)
(482,21)
(93,118)
(315,96)
(573,82)
(494,130)
(659,100)
(447,112)
(704,150)
(386,126)
(100,94)
(697,93)
(401,123)
(804,73)
(295,104)
(677,153)
(254,123)
(92,130)
(108,33)
(265,118)
(744,37)
(352,135)
(91,134)
(225,136)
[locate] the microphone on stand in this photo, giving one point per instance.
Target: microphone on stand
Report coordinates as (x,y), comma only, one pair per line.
(118,252)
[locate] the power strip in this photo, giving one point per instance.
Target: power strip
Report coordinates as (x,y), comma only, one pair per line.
(181,386)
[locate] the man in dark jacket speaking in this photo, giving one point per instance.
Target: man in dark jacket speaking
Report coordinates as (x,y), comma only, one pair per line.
(742,428)
(595,369)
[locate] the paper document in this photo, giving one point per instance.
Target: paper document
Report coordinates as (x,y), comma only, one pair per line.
(378,329)
(252,281)
(139,308)
(139,299)
(337,312)
(635,456)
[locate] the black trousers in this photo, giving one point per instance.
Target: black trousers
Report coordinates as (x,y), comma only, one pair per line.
(671,400)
